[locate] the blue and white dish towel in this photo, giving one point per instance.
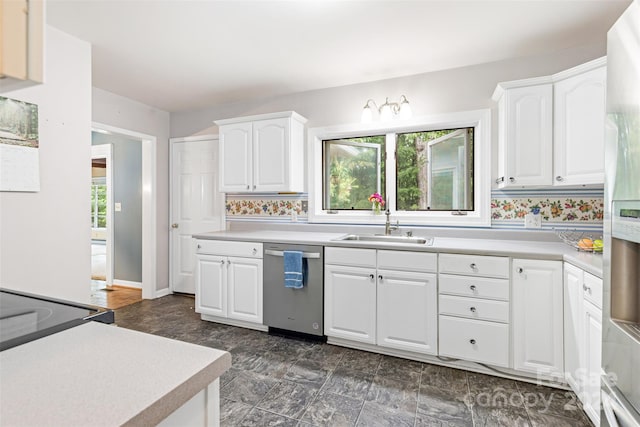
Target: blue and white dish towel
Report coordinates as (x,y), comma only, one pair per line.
(293,270)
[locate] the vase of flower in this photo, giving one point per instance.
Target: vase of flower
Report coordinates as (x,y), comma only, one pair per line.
(377,203)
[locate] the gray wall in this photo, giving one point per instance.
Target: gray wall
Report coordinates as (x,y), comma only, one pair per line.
(460,89)
(127,190)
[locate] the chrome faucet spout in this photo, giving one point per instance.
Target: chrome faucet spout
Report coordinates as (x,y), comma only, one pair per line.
(387,224)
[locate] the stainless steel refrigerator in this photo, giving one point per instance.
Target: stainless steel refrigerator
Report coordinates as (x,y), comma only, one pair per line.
(621,305)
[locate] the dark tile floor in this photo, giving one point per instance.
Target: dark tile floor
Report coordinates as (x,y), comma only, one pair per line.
(281,381)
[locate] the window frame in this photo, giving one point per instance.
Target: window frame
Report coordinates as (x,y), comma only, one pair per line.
(480,120)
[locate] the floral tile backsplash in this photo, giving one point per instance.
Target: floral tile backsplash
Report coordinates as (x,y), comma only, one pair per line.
(587,209)
(264,207)
(553,209)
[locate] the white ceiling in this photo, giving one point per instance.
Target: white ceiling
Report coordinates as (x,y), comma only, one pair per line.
(181,55)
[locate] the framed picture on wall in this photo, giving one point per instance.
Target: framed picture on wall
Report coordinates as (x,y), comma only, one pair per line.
(19,146)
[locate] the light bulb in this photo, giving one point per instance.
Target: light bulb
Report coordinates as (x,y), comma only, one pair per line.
(405,110)
(385,111)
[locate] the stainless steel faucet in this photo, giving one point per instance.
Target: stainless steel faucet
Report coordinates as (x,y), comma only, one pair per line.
(388,228)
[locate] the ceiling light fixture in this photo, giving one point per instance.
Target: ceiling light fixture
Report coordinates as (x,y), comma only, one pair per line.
(387,110)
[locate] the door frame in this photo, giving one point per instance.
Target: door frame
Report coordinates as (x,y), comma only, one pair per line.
(149,206)
(172,143)
(104,151)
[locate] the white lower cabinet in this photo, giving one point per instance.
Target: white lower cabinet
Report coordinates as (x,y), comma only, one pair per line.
(382,297)
(350,302)
(537,321)
(229,286)
(583,337)
(484,342)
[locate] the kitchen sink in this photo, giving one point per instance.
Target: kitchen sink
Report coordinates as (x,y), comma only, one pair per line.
(382,238)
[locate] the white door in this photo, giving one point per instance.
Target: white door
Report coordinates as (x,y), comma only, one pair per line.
(573,280)
(270,150)
(407,311)
(99,153)
(211,283)
(593,358)
(350,303)
(244,289)
(537,317)
(236,158)
(196,205)
(528,144)
(579,115)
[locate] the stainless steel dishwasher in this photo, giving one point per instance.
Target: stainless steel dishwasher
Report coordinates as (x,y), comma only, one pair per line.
(287,310)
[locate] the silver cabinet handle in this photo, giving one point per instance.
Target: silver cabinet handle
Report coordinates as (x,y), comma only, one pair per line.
(559,178)
(228,262)
(254,251)
(472,309)
(254,186)
(472,287)
(199,246)
(473,266)
(379,276)
(248,187)
(520,270)
(472,341)
(174,225)
(586,288)
(221,262)
(499,180)
(371,276)
(512,179)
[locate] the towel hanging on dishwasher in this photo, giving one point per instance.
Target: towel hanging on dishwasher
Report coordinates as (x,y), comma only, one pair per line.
(293,269)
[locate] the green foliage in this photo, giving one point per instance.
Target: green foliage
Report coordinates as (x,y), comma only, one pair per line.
(99,206)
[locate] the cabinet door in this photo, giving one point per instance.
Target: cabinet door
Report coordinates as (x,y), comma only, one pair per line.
(573,363)
(407,317)
(350,303)
(537,317)
(235,158)
(270,154)
(526,139)
(579,116)
(211,285)
(245,289)
(593,357)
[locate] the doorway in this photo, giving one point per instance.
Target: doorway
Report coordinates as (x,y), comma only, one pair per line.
(147,195)
(101,217)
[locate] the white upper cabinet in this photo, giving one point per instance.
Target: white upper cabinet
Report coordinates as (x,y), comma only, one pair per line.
(579,116)
(525,142)
(21,43)
(262,153)
(551,129)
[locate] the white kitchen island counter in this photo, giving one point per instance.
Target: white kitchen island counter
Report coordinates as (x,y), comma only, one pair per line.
(102,375)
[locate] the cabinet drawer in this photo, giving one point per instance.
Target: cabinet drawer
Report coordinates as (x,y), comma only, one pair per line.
(475,308)
(403,260)
(480,287)
(475,340)
(593,289)
(349,256)
(229,248)
(475,265)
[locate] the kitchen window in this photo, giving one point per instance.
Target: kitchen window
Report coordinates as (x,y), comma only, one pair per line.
(432,171)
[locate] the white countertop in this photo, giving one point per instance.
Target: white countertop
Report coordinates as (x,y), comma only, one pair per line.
(97,374)
(589,262)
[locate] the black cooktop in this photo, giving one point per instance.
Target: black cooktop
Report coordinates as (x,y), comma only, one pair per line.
(26,317)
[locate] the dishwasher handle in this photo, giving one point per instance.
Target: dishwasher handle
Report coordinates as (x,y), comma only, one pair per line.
(281,253)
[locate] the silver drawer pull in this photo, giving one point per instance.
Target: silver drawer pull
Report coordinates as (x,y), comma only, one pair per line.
(221,262)
(586,288)
(472,341)
(371,276)
(473,266)
(380,277)
(520,270)
(472,309)
(472,287)
(281,253)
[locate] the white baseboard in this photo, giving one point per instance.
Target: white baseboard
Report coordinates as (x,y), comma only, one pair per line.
(163,292)
(127,283)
